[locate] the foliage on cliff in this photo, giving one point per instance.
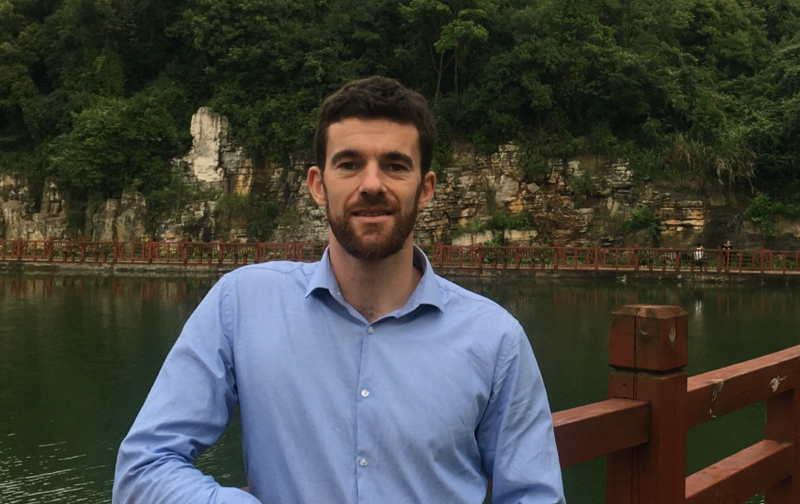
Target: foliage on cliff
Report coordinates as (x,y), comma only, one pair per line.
(99,92)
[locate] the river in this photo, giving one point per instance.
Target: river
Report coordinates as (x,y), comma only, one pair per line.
(78,355)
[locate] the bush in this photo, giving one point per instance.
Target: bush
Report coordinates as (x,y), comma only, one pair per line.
(763,209)
(643,219)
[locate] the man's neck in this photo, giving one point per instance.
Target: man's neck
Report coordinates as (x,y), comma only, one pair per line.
(375,288)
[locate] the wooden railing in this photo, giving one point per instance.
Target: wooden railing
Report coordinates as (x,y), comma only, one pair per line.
(641,428)
(151,252)
(479,257)
(443,257)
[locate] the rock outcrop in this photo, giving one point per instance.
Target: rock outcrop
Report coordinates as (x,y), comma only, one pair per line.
(21,216)
(582,201)
(214,163)
(124,219)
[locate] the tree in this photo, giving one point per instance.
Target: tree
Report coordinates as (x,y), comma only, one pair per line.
(446,30)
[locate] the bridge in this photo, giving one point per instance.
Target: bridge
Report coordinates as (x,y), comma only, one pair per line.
(471,259)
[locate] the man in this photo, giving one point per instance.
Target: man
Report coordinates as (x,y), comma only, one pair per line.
(364,377)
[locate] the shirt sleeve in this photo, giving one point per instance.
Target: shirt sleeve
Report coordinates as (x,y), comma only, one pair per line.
(515,435)
(186,411)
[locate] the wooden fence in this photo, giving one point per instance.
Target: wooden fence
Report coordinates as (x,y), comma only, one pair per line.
(641,428)
(478,257)
(443,257)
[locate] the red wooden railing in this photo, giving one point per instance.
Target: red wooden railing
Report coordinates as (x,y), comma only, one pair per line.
(443,257)
(641,428)
(480,257)
(152,252)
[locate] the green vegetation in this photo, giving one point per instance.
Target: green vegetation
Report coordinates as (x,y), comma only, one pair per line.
(99,94)
(261,217)
(235,203)
(763,209)
(499,221)
(582,185)
(642,219)
(263,220)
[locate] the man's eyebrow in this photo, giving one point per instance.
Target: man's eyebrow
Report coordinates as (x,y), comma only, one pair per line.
(342,154)
(398,156)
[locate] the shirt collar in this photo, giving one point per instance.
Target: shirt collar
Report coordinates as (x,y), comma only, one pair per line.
(426,293)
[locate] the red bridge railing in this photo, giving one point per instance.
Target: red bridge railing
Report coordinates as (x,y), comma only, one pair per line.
(481,257)
(443,257)
(152,252)
(641,428)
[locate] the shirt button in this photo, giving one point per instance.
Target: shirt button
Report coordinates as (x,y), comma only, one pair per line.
(363,462)
(370,330)
(365,393)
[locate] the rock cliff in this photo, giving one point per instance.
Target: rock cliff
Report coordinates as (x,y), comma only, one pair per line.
(479,198)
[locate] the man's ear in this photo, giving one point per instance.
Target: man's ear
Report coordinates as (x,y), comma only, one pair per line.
(428,189)
(316,186)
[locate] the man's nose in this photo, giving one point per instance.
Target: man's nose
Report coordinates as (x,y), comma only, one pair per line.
(372,179)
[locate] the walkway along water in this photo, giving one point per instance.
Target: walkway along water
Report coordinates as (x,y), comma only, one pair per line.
(641,428)
(455,259)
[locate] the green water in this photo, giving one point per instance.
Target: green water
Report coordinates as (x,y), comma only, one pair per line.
(78,355)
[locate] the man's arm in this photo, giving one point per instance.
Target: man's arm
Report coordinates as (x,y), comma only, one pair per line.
(515,435)
(186,411)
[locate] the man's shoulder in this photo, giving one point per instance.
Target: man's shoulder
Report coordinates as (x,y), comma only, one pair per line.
(465,299)
(272,272)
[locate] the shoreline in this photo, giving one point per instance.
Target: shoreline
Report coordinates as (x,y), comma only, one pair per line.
(622,276)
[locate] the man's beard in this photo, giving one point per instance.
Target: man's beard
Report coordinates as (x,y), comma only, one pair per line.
(387,245)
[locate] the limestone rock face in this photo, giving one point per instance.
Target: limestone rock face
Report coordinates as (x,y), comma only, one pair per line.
(195,222)
(209,133)
(583,201)
(124,219)
(302,219)
(18,216)
(131,219)
(214,163)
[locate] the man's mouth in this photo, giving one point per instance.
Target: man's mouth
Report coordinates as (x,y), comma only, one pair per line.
(377,213)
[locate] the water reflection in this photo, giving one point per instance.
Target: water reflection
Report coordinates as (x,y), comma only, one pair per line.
(78,356)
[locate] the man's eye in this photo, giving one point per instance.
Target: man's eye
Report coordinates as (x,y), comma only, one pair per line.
(396,167)
(349,165)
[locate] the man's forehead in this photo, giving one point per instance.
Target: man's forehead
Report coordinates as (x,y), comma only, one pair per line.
(355,133)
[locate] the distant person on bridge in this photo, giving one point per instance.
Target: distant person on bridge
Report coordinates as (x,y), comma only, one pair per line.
(363,378)
(699,255)
(726,253)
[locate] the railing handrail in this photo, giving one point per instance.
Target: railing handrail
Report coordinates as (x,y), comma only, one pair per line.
(642,428)
(443,257)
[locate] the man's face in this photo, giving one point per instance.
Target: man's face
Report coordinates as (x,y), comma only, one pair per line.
(372,186)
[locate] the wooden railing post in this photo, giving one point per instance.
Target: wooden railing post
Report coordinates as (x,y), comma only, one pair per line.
(783,425)
(555,256)
(648,349)
(596,257)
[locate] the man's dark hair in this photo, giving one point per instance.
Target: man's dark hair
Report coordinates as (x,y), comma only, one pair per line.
(377,98)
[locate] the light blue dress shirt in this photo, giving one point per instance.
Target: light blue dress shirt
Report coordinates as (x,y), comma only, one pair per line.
(424,405)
